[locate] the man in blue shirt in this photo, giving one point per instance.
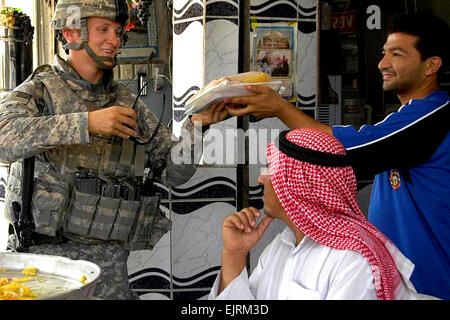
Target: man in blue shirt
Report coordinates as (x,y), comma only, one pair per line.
(409,151)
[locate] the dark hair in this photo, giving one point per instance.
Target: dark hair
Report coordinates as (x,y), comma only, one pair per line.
(432,33)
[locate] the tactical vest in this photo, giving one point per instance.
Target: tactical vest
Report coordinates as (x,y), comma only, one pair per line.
(90,192)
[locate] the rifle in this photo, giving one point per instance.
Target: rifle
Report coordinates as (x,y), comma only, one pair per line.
(23,224)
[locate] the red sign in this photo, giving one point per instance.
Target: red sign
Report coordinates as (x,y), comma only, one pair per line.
(344,21)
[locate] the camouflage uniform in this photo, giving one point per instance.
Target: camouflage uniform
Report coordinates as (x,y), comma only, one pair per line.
(58,137)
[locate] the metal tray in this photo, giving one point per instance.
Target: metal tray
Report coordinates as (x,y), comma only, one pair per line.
(57,278)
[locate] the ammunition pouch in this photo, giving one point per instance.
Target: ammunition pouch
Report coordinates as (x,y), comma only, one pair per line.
(48,204)
(138,223)
(151,224)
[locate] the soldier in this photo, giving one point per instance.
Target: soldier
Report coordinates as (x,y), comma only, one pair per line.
(91,199)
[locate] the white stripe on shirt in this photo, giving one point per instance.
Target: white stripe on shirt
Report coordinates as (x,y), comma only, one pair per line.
(399,130)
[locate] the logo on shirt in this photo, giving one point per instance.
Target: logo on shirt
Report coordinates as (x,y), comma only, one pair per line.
(394,179)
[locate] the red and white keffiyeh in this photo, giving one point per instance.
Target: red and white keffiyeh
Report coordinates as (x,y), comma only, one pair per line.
(321,201)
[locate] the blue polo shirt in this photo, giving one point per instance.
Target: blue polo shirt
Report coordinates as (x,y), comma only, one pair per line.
(409,152)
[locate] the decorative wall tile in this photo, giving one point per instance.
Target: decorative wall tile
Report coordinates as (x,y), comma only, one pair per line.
(163,190)
(274,8)
(190,295)
(200,280)
(150,269)
(307,3)
(221,49)
(210,188)
(151,295)
(186,9)
(222,144)
(307,9)
(187,207)
(196,245)
(307,68)
(203,179)
(188,71)
(150,278)
(222,8)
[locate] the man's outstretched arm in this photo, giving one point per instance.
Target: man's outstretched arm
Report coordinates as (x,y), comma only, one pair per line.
(268,103)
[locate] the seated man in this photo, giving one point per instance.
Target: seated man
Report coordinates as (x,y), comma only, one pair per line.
(328,250)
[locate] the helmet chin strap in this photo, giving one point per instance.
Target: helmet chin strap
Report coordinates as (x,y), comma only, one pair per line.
(99,60)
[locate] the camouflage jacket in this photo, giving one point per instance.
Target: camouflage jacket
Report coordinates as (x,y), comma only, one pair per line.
(26,130)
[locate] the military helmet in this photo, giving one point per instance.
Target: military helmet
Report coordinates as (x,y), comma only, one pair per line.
(68,12)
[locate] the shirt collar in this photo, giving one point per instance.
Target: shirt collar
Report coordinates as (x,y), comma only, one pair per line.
(68,72)
(435,95)
(288,237)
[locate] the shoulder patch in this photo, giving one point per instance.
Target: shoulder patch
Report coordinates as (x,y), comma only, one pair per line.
(18,97)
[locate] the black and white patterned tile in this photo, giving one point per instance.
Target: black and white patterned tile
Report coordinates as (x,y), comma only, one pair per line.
(222,145)
(188,66)
(307,9)
(154,295)
(191,295)
(206,185)
(221,49)
(307,68)
(286,9)
(222,8)
(187,9)
(196,245)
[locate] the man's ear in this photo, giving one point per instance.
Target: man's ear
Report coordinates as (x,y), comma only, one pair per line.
(432,65)
(72,35)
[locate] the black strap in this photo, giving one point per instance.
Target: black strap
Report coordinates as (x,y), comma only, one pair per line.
(309,155)
(407,148)
(155,131)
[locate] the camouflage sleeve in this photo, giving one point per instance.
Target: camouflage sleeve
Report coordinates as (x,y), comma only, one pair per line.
(171,160)
(25,132)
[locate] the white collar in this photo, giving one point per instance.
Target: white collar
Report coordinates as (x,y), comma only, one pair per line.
(288,237)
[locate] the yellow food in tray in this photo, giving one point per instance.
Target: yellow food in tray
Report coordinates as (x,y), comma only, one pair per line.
(84,279)
(29,271)
(14,289)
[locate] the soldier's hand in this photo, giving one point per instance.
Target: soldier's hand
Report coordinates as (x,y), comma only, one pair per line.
(213,114)
(116,120)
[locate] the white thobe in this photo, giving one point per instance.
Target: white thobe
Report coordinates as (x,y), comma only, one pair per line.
(309,271)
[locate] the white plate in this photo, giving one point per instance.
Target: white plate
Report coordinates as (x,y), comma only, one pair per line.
(226,89)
